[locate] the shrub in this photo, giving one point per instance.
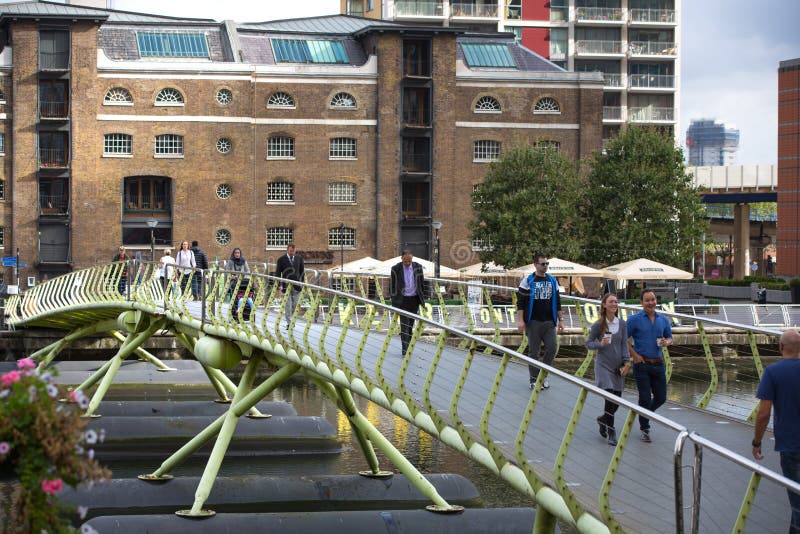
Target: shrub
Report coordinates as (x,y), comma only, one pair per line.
(43,441)
(794,282)
(730,282)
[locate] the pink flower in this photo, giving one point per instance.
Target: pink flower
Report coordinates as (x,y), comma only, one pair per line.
(4,448)
(10,377)
(52,486)
(26,363)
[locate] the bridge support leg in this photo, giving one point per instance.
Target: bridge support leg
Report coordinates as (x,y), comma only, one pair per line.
(372,434)
(238,407)
(143,354)
(348,406)
(46,354)
(223,440)
(131,343)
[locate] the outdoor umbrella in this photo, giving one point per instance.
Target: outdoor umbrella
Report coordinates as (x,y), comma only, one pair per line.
(484,270)
(561,268)
(644,269)
(428,268)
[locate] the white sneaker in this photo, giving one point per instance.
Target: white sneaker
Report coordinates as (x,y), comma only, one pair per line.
(546,384)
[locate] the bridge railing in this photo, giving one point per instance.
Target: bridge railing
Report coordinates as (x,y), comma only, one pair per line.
(467,390)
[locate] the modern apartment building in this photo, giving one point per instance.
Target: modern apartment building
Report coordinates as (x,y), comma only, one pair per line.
(347,136)
(788,240)
(711,143)
(634,43)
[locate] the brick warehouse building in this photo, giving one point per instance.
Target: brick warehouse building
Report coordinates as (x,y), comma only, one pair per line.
(788,238)
(337,133)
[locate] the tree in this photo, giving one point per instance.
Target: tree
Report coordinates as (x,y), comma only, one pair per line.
(526,205)
(641,202)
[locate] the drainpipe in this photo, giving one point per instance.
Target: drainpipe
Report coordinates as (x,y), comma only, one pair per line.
(377,168)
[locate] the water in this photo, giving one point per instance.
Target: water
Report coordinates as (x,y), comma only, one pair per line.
(737,382)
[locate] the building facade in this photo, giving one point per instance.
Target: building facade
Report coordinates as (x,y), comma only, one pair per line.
(633,43)
(711,143)
(346,136)
(788,244)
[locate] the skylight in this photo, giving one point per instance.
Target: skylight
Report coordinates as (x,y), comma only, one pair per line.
(177,44)
(308,51)
(488,55)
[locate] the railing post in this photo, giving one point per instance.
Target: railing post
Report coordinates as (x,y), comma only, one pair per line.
(677,459)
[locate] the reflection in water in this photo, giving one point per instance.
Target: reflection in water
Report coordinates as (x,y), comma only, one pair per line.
(737,383)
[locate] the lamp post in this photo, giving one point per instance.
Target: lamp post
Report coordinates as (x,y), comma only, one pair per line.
(437,225)
(152,223)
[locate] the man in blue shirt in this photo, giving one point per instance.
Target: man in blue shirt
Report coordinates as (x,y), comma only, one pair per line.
(647,333)
(779,388)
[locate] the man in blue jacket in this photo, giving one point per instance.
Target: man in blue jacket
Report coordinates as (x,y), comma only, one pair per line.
(648,332)
(538,313)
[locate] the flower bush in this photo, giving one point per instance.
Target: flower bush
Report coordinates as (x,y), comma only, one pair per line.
(44,442)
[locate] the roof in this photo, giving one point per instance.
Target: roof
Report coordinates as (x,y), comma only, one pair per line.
(53,10)
(525,59)
(328,24)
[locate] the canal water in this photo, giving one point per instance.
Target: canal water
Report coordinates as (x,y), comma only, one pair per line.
(738,380)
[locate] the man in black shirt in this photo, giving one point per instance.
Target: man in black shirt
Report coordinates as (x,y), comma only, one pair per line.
(201,261)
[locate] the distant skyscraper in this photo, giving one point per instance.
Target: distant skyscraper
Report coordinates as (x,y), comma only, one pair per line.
(711,143)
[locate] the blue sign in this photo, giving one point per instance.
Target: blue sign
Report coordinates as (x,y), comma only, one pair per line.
(9,261)
(22,264)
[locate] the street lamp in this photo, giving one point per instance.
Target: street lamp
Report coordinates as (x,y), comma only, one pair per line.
(152,223)
(437,225)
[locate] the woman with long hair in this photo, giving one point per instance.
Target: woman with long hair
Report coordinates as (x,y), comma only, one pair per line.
(609,337)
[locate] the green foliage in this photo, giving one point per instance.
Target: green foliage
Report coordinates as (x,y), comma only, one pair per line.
(43,441)
(527,204)
(794,282)
(729,282)
(641,202)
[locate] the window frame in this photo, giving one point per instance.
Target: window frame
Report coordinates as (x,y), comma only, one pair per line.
(286,96)
(342,148)
(482,110)
(176,151)
(163,42)
(178,102)
(342,193)
(280,192)
(556,111)
(343,96)
(284,145)
(282,236)
(120,141)
(347,236)
(481,150)
(221,101)
(118,90)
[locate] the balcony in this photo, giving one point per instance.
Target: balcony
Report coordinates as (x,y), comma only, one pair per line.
(415,207)
(53,109)
(474,10)
(652,16)
(53,253)
(651,114)
(599,14)
(612,113)
(651,81)
(416,162)
(598,47)
(53,204)
(53,158)
(414,8)
(652,48)
(612,80)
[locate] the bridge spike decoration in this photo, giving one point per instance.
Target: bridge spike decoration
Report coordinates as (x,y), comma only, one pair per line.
(465,390)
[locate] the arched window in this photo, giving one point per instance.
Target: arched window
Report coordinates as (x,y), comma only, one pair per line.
(487,104)
(118,96)
(343,101)
(169,96)
(545,105)
(280,100)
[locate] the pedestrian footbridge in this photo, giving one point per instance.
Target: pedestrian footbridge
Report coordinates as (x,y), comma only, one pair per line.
(456,383)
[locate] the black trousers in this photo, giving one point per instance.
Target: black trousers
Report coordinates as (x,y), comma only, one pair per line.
(409,304)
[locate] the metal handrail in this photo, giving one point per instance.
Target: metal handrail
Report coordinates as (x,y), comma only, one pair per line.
(99,287)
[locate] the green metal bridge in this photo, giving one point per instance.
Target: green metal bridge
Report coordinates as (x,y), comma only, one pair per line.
(455,383)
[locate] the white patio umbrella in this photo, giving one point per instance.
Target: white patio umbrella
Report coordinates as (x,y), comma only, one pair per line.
(559,267)
(428,268)
(359,266)
(484,270)
(644,269)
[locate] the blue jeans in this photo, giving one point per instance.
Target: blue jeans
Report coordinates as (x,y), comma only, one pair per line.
(651,380)
(790,465)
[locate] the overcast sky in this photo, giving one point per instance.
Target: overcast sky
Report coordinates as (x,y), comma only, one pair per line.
(730,50)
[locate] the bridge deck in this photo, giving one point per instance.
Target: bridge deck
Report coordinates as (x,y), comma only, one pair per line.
(642,498)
